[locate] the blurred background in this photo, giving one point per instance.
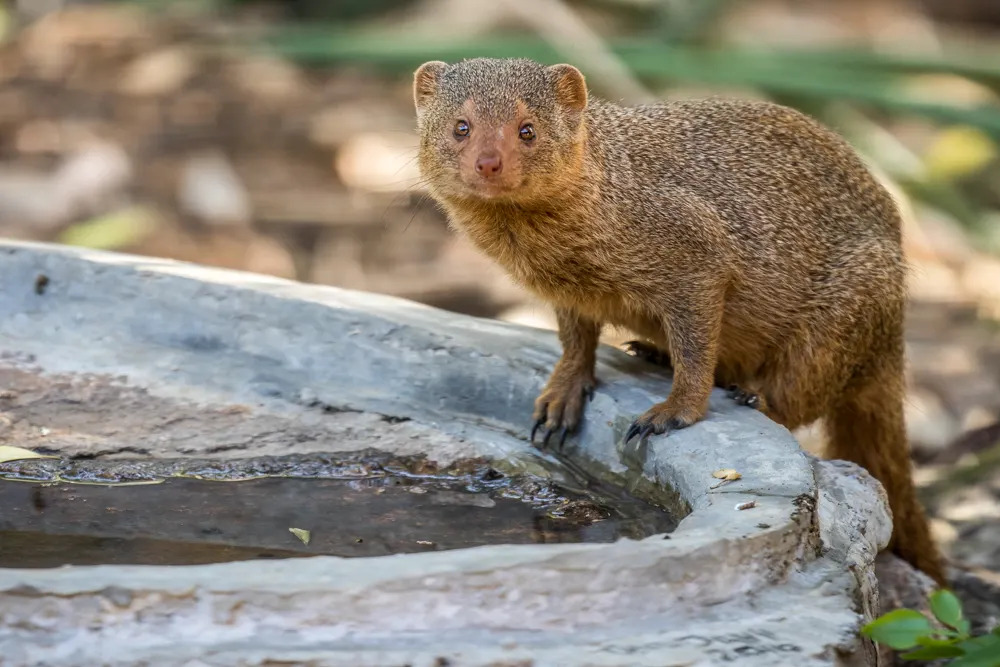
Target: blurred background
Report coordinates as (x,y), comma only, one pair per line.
(278,137)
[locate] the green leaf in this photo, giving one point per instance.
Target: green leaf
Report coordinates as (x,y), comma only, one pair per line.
(979,652)
(899,629)
(114,231)
(948,609)
(932,653)
(931,641)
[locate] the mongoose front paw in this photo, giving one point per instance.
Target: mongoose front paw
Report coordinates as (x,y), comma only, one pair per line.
(560,406)
(658,420)
(647,352)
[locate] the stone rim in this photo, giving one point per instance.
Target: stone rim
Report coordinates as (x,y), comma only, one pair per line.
(727,551)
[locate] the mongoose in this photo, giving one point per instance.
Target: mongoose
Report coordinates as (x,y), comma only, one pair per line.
(743,240)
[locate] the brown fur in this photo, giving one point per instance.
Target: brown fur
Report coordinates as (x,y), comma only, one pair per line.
(744,239)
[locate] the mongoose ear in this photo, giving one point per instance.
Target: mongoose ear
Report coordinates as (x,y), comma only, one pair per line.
(425,81)
(571,89)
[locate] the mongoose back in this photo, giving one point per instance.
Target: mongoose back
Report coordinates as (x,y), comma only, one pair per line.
(743,241)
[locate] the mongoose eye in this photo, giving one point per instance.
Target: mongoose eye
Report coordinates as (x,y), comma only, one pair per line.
(527,132)
(461,129)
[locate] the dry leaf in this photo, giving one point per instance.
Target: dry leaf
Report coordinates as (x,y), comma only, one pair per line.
(8,453)
(303,535)
(747,505)
(727,474)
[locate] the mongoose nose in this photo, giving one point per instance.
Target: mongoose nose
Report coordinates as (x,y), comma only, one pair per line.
(488,165)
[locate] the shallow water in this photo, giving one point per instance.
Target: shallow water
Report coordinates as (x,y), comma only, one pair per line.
(374,511)
(145,479)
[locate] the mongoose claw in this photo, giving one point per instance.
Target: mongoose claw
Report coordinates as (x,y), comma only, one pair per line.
(648,425)
(563,434)
(534,429)
(637,429)
(747,398)
(647,352)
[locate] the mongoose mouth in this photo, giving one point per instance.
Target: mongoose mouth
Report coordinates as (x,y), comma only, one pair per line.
(492,189)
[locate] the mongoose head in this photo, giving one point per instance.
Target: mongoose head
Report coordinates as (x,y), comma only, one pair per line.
(501,130)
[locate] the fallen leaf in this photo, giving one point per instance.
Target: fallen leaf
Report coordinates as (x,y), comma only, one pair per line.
(727,474)
(303,535)
(8,453)
(747,505)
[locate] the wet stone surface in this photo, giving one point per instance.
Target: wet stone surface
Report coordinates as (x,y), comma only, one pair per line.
(105,416)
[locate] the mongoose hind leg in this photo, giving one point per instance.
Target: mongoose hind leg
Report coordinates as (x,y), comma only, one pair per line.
(560,406)
(802,383)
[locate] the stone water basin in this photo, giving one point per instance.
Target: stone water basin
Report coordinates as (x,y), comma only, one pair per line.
(107,506)
(239,406)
